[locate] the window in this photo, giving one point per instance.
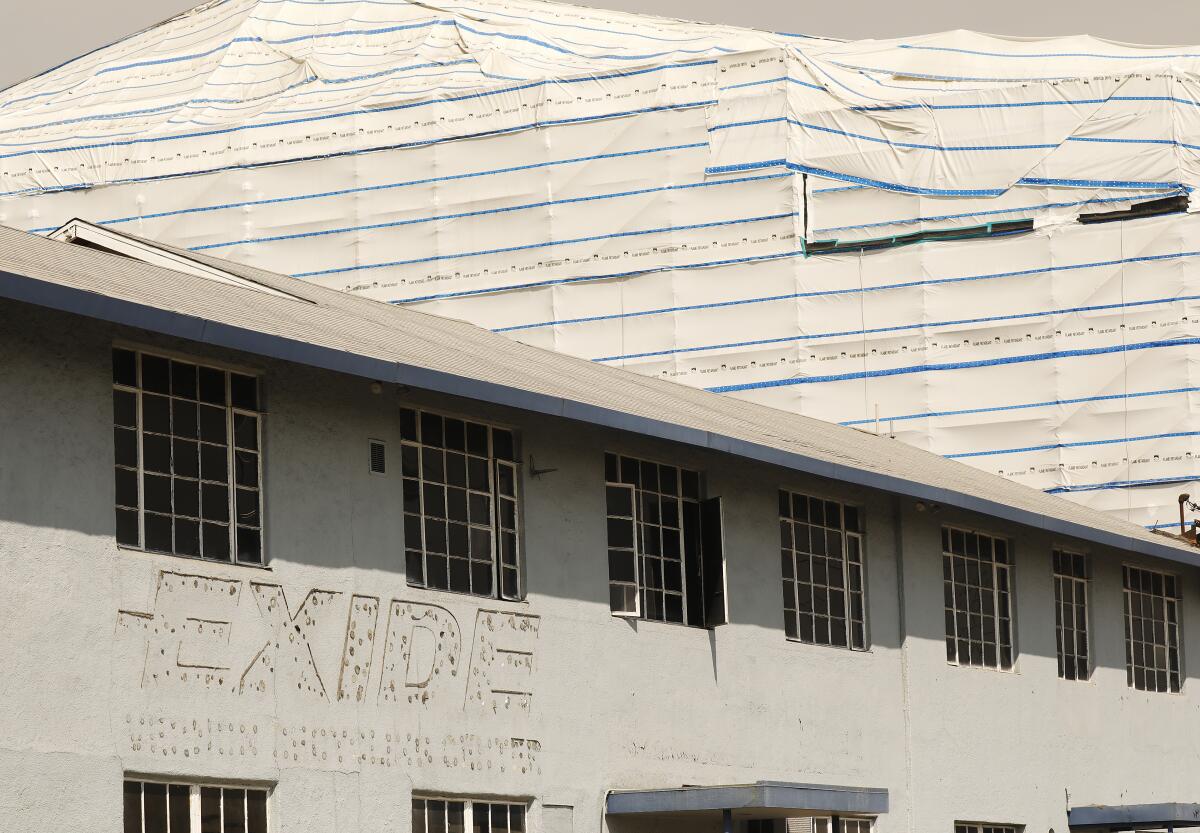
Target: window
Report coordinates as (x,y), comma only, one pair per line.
(460,505)
(158,807)
(976,584)
(844,825)
(464,815)
(822,559)
(974,827)
(1152,630)
(665,545)
(1071,614)
(187,442)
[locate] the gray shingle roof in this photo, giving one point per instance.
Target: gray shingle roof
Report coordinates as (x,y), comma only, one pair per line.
(341,332)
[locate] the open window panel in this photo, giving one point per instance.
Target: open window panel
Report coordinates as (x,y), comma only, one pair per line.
(666,552)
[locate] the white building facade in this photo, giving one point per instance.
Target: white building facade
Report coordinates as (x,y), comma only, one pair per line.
(249,591)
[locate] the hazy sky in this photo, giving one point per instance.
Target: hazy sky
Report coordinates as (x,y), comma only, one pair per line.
(44,35)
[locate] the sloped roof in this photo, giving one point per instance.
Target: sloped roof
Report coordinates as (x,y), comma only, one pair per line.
(327,329)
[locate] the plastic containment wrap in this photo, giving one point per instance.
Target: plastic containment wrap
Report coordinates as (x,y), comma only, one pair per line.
(985,247)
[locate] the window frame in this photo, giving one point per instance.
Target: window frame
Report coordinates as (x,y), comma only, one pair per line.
(195,788)
(987,827)
(861,535)
(469,802)
(699,500)
(230,482)
(1126,617)
(1086,582)
(946,530)
(494,464)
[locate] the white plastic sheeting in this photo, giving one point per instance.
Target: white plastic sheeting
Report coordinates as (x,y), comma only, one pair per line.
(657,194)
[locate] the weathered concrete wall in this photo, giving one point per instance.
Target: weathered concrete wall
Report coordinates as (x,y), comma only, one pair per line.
(327,675)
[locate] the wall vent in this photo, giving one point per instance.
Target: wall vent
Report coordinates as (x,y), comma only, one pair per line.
(378,456)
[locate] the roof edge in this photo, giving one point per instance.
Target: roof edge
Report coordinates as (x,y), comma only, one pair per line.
(16,287)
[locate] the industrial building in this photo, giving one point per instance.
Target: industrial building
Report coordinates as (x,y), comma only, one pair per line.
(984,247)
(280,558)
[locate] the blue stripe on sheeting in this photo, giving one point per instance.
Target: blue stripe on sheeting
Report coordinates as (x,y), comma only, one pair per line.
(485,211)
(1082,443)
(931,77)
(356,151)
(897,328)
(993,212)
(1008,104)
(829,292)
(745,166)
(839,188)
(584,278)
(923,48)
(1024,405)
(901,189)
(386,186)
(931,368)
(889,142)
(1121,484)
(542,245)
(787,78)
(405,106)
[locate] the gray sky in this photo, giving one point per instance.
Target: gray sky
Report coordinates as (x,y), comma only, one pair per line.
(45,35)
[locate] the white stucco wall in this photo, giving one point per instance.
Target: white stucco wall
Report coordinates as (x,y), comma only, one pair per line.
(118,661)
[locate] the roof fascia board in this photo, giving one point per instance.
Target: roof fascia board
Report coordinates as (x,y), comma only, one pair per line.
(117,311)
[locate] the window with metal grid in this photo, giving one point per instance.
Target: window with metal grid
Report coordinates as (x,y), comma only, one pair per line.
(653,535)
(974,827)
(976,573)
(163,807)
(460,505)
(844,825)
(466,815)
(1071,614)
(187,452)
(1152,654)
(822,561)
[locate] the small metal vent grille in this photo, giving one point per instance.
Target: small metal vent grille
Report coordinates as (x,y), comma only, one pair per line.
(378,457)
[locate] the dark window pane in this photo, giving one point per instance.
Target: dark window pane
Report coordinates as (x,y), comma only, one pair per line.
(127,528)
(214,502)
(124,367)
(185,458)
(249,543)
(214,463)
(125,447)
(431,429)
(157,453)
(246,468)
(256,811)
(245,431)
(212,386)
(183,382)
(181,817)
(456,435)
(154,807)
(477,439)
(132,800)
(502,445)
(212,424)
(408,424)
(156,493)
(187,537)
(247,507)
(158,533)
(126,487)
(156,374)
(414,567)
(234,806)
(215,539)
(156,413)
(125,408)
(610,468)
(243,391)
(183,418)
(210,810)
